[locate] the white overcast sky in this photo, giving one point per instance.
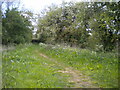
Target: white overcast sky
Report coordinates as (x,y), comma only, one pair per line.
(38,5)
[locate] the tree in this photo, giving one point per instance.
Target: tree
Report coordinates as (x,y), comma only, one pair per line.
(16,27)
(93,24)
(105,24)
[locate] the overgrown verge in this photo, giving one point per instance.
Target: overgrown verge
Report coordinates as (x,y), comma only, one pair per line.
(24,67)
(100,66)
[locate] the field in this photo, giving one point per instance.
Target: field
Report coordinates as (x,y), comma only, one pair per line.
(55,66)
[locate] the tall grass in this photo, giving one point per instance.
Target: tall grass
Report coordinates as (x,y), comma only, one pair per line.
(24,67)
(101,67)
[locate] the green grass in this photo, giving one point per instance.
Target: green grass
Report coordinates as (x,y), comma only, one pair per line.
(102,67)
(23,67)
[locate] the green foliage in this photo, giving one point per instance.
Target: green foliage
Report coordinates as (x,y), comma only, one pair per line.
(72,23)
(86,25)
(104,27)
(24,68)
(15,28)
(0,25)
(101,67)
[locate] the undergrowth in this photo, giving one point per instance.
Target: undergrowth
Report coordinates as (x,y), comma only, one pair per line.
(23,67)
(101,67)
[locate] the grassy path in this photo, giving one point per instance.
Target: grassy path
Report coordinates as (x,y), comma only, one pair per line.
(46,66)
(76,77)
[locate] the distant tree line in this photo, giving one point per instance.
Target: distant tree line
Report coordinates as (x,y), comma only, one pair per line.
(92,25)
